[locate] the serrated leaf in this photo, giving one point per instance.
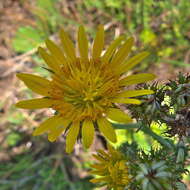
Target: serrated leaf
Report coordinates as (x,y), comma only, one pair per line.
(181,186)
(144,168)
(145,184)
(180,155)
(140,176)
(163,174)
(150,187)
(158,165)
(157,184)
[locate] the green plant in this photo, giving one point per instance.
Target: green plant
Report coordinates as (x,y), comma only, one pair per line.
(40,174)
(48,20)
(161,25)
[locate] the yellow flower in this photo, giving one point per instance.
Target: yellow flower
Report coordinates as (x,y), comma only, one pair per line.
(84,88)
(112,169)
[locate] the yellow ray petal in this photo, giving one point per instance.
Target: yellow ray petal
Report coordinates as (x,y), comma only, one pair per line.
(111,49)
(37,103)
(137,78)
(56,52)
(82,43)
(55,132)
(134,93)
(118,116)
(87,133)
(99,158)
(47,125)
(98,43)
(100,179)
(133,61)
(103,154)
(98,166)
(107,130)
(72,137)
(48,59)
(111,150)
(35,83)
(126,101)
(68,45)
(98,172)
(123,52)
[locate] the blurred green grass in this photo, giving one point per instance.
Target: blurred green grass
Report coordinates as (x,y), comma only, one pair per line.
(162,27)
(41,174)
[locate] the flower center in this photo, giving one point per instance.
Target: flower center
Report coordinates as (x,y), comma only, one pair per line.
(90,96)
(86,88)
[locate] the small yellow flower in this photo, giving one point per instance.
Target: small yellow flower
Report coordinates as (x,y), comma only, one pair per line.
(83,88)
(112,169)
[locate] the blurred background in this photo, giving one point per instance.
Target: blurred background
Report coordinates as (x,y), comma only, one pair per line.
(32,163)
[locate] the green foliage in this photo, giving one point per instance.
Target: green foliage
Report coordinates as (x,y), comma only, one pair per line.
(41,174)
(155,169)
(13,138)
(26,39)
(159,170)
(15,118)
(28,174)
(48,17)
(148,37)
(48,20)
(47,5)
(146,130)
(161,25)
(164,116)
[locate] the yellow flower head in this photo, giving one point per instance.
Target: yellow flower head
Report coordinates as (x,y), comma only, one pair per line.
(112,169)
(83,88)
